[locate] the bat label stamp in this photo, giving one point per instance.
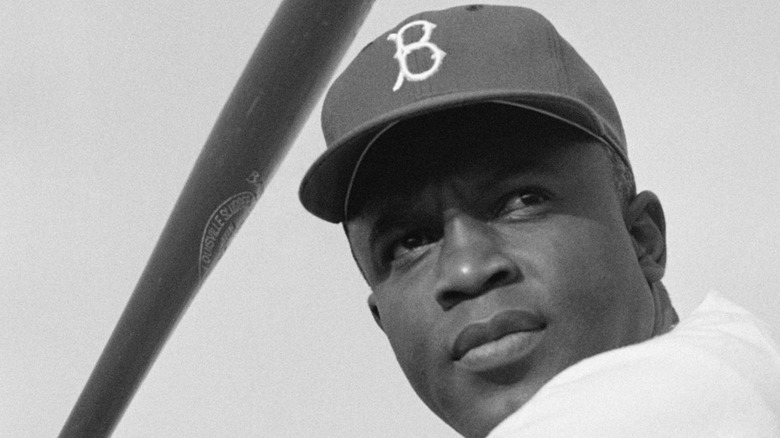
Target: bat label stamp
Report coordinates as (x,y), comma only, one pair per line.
(221,226)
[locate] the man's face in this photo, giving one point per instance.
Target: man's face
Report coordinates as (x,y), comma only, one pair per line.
(495,263)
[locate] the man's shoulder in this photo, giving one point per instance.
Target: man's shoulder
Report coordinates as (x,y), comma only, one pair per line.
(715,374)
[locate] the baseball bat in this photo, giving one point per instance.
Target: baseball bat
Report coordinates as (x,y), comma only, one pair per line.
(274,96)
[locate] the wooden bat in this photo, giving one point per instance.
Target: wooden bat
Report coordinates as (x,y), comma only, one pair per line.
(274,96)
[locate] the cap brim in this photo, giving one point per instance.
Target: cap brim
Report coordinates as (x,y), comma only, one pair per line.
(325,186)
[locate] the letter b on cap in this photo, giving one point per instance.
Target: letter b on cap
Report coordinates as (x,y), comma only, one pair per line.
(402,50)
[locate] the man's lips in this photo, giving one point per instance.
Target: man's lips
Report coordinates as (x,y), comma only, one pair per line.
(514,325)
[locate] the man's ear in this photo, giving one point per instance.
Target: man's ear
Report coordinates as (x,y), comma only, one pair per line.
(647,228)
(375,310)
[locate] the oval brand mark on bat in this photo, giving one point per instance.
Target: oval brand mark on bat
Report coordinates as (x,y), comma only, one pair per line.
(219,229)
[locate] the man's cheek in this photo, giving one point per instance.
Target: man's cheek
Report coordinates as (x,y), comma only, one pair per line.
(409,347)
(406,325)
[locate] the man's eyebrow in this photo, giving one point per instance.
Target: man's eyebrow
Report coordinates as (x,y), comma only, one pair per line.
(390,216)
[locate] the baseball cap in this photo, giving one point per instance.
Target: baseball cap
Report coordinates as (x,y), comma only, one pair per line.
(455,57)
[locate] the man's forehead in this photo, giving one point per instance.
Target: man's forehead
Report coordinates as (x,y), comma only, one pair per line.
(434,182)
(481,141)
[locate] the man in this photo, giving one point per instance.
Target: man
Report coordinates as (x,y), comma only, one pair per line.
(480,170)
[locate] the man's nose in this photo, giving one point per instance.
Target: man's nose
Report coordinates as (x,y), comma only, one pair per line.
(472,261)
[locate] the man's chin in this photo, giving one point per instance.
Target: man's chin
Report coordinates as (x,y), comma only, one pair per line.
(479,420)
(493,396)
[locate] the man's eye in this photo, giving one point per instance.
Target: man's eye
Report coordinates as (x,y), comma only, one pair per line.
(520,202)
(410,242)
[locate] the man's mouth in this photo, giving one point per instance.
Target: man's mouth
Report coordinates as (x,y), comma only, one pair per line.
(503,339)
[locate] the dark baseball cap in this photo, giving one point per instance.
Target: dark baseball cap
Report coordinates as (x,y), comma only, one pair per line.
(456,57)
